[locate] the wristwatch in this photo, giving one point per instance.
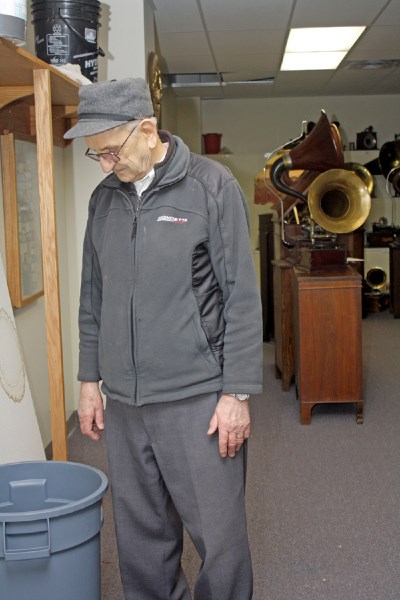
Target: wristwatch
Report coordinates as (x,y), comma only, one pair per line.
(240,397)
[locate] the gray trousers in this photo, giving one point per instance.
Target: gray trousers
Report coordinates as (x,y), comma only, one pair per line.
(166,473)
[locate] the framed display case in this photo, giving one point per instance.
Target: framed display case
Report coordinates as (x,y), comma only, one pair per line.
(22,220)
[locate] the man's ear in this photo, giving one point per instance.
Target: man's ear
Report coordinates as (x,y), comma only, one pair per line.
(149,129)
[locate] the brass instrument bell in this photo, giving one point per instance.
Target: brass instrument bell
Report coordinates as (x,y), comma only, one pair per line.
(339,201)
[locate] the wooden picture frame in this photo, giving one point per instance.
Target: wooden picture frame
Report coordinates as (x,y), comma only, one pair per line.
(21,220)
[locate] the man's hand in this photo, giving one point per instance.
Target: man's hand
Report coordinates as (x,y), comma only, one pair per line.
(91,410)
(232,419)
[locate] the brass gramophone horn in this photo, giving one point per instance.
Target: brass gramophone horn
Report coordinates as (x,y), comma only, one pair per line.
(389,160)
(394,178)
(339,201)
(389,156)
(363,173)
(319,151)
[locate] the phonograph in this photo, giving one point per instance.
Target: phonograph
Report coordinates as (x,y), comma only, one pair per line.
(327,199)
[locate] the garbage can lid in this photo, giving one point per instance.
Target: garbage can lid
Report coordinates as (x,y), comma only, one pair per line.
(47,489)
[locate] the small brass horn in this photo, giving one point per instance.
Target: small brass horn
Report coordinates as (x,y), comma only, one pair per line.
(376,278)
(339,201)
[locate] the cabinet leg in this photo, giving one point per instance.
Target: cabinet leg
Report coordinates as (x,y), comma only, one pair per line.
(278,374)
(360,413)
(305,413)
(286,381)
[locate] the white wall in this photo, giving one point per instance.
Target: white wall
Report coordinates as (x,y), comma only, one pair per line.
(122,37)
(29,322)
(260,125)
(189,123)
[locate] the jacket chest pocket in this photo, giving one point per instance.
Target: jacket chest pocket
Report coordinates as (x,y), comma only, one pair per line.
(115,246)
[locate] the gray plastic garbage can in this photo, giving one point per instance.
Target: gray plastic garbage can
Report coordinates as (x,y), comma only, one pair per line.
(50,520)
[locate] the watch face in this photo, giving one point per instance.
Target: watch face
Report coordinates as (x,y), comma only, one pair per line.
(242,397)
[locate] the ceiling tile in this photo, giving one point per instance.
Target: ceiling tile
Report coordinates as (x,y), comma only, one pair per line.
(380,38)
(189,64)
(178,15)
(356,81)
(372,55)
(390,15)
(329,13)
(247,42)
(218,14)
(300,82)
(174,44)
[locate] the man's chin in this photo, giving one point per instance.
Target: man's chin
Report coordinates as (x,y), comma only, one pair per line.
(123,176)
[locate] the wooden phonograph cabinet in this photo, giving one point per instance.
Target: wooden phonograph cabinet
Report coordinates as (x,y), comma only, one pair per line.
(328,352)
(317,295)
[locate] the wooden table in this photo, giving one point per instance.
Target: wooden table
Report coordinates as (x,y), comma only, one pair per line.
(327,324)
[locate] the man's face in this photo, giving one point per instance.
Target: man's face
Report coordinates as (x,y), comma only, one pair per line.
(130,157)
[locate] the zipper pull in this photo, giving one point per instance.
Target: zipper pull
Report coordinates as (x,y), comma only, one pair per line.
(134,227)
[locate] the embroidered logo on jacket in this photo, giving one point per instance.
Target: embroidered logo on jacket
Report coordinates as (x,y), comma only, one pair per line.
(178,220)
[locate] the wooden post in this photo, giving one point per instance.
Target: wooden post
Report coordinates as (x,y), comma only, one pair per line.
(44,136)
(10,214)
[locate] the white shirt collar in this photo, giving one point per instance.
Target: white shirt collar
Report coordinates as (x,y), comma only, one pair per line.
(142,184)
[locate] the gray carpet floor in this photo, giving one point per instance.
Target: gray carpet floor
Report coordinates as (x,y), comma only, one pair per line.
(322,499)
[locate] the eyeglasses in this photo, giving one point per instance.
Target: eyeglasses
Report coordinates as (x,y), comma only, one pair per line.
(113,156)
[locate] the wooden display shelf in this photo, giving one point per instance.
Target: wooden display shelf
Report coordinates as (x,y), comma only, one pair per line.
(36,104)
(17,94)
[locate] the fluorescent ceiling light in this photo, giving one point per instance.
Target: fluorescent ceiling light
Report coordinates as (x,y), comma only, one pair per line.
(311,61)
(322,39)
(310,44)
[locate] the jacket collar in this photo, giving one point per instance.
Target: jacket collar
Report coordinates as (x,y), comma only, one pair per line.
(172,169)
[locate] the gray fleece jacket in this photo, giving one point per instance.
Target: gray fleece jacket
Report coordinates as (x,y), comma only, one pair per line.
(169,305)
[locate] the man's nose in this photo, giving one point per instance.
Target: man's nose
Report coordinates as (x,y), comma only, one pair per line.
(107,164)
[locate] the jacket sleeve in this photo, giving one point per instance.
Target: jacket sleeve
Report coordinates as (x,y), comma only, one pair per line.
(89,308)
(233,264)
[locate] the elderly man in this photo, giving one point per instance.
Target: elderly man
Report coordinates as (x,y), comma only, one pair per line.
(170,322)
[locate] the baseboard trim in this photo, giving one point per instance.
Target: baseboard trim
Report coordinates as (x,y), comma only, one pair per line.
(72,423)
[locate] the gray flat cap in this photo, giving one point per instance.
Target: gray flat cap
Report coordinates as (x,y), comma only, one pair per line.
(109,104)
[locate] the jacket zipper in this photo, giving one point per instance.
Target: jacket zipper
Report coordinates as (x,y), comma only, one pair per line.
(135,206)
(135,209)
(130,198)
